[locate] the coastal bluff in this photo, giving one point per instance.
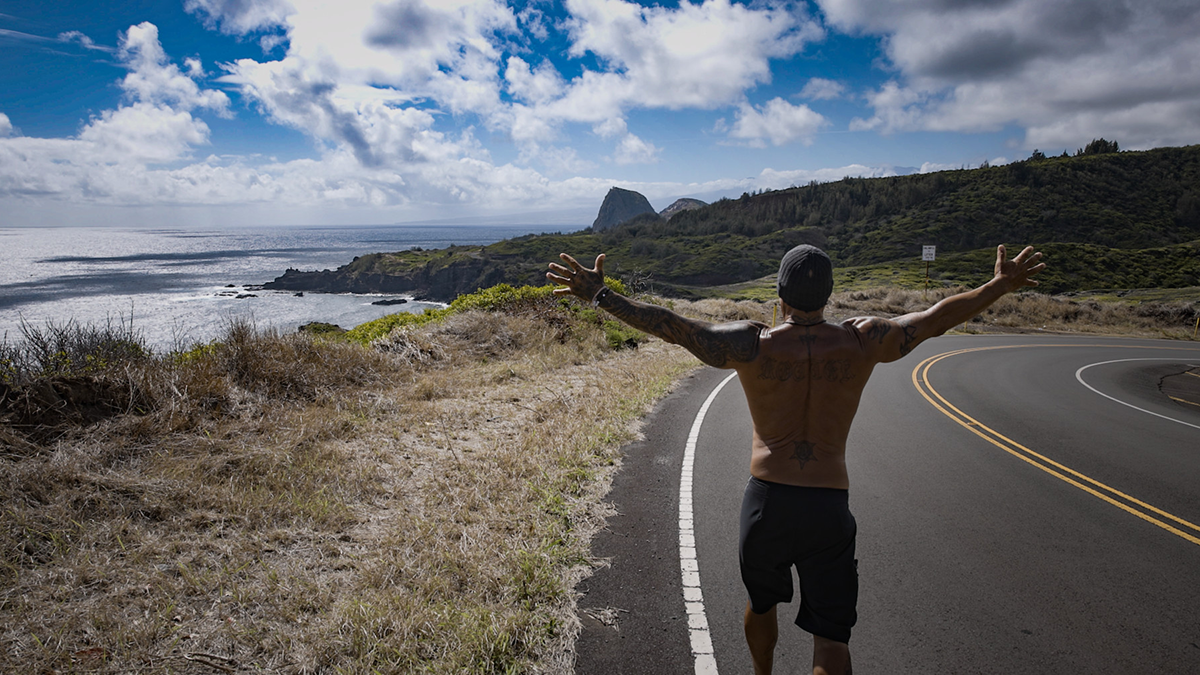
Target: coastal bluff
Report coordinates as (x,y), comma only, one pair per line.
(440,276)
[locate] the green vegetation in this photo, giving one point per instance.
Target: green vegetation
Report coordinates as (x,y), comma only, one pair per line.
(1108,219)
(501,297)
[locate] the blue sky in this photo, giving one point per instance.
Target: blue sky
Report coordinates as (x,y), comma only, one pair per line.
(246,112)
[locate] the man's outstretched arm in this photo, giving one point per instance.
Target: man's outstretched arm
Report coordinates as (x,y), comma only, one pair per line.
(720,345)
(891,339)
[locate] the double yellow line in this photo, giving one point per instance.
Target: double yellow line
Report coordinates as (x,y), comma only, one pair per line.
(1148,513)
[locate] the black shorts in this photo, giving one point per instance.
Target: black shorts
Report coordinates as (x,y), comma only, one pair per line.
(812,529)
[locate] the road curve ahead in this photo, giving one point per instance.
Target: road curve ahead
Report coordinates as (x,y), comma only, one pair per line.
(1024,504)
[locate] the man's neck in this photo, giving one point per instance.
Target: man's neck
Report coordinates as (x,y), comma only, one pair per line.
(799,318)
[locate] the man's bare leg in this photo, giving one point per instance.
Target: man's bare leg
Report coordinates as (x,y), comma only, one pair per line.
(830,658)
(762,631)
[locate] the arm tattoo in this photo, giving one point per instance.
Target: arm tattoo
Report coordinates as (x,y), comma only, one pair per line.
(878,330)
(714,344)
(803,452)
(910,336)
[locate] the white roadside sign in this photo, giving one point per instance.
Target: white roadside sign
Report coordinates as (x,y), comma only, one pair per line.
(928,252)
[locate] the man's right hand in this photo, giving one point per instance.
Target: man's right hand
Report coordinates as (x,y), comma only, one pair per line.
(890,339)
(1016,273)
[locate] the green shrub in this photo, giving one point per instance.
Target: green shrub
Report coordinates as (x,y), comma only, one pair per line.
(620,336)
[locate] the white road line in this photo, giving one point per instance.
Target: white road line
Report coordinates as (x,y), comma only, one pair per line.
(693,599)
(1079,376)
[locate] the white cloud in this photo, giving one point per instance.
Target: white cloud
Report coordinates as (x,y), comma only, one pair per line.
(6,127)
(933,167)
(614,126)
(897,108)
(633,150)
(821,89)
(143,133)
(563,161)
(531,86)
(451,55)
(116,146)
(83,40)
(372,83)
(777,121)
(195,68)
(154,79)
(630,149)
(697,55)
(772,179)
(1067,71)
(239,17)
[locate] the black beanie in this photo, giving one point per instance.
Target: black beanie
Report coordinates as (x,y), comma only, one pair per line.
(805,278)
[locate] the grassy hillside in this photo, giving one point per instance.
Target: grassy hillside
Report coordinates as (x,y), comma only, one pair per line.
(1119,200)
(1087,210)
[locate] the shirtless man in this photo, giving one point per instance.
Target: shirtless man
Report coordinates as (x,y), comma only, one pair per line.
(803,380)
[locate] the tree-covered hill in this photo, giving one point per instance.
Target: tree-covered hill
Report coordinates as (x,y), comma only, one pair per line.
(1118,200)
(1112,200)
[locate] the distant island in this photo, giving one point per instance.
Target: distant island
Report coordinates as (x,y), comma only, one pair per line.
(1107,219)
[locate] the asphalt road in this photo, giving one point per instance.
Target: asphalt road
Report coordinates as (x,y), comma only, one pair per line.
(1025,504)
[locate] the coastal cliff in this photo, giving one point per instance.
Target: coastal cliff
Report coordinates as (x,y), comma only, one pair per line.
(439,275)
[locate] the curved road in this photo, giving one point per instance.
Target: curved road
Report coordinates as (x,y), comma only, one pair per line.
(1025,504)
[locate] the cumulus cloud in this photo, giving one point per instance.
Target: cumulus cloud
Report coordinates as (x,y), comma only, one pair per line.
(452,54)
(143,133)
(239,17)
(6,127)
(373,85)
(1065,70)
(778,121)
(154,79)
(531,86)
(634,150)
(155,126)
(821,89)
(702,55)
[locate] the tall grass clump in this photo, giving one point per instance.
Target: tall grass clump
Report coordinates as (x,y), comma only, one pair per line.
(415,497)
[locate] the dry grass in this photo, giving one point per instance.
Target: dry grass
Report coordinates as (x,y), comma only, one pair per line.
(288,504)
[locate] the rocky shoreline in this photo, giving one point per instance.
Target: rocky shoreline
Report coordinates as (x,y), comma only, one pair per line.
(439,281)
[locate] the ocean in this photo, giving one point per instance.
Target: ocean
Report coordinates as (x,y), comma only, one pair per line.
(180,286)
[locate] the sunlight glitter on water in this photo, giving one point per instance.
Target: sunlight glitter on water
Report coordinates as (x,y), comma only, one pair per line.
(175,283)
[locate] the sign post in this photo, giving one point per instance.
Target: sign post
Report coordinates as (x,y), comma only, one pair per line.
(928,253)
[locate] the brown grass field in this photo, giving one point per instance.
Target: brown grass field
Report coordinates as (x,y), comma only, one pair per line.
(299,504)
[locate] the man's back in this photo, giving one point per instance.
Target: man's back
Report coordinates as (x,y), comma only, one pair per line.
(803,390)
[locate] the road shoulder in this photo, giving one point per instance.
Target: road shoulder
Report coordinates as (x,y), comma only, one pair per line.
(632,610)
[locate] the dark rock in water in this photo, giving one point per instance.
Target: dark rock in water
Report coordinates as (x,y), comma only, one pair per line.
(684,204)
(299,295)
(620,205)
(390,301)
(321,328)
(225,294)
(241,296)
(230,286)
